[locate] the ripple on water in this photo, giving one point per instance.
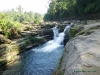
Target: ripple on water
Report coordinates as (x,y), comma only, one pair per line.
(36,62)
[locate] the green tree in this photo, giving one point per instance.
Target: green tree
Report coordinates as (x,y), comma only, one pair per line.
(38,18)
(59,9)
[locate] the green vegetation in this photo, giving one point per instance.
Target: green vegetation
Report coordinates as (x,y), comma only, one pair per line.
(9,27)
(29,40)
(95,27)
(74,30)
(2,63)
(79,30)
(24,17)
(62,73)
(11,21)
(58,70)
(88,31)
(8,52)
(3,40)
(59,9)
(85,32)
(28,28)
(59,63)
(34,39)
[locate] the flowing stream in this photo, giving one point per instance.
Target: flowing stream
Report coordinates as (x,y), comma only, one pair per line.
(41,60)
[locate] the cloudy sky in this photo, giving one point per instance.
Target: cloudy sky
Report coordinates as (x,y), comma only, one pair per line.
(39,6)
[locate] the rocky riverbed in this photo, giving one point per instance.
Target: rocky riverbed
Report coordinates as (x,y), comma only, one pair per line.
(82,53)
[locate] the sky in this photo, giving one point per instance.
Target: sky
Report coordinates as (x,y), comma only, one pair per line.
(39,6)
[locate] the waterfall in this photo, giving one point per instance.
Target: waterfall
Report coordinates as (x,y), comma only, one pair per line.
(41,60)
(55,31)
(56,42)
(67,27)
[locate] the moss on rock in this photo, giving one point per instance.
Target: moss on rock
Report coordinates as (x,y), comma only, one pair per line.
(85,32)
(74,30)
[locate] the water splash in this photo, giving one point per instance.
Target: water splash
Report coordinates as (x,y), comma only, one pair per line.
(55,31)
(41,60)
(56,42)
(67,27)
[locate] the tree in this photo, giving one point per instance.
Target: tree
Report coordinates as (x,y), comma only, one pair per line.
(20,9)
(66,8)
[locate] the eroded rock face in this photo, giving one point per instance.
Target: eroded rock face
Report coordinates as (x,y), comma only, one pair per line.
(82,55)
(48,34)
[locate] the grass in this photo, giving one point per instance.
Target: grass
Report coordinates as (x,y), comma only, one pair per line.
(34,39)
(85,32)
(3,62)
(62,73)
(58,71)
(95,27)
(10,28)
(59,63)
(88,31)
(74,30)
(28,28)
(79,30)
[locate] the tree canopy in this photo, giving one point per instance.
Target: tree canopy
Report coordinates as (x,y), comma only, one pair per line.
(67,8)
(22,17)
(10,21)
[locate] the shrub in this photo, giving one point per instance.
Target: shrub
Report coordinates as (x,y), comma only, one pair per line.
(28,28)
(10,28)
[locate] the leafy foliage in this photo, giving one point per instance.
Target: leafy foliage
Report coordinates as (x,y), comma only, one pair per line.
(8,26)
(66,8)
(10,21)
(23,17)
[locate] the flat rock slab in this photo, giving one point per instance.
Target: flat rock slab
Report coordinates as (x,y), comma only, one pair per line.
(82,55)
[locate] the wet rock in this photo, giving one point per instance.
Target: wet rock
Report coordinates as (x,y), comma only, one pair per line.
(81,56)
(48,34)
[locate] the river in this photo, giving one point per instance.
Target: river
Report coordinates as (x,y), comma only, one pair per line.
(41,60)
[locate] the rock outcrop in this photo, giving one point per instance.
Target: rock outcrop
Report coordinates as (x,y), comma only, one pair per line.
(3,39)
(81,55)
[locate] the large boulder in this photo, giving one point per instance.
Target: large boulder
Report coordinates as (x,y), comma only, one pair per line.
(81,56)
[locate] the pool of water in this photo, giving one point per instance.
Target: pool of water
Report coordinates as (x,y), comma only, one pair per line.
(41,60)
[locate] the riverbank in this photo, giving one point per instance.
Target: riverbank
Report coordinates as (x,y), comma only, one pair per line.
(9,52)
(29,37)
(81,54)
(10,49)
(41,60)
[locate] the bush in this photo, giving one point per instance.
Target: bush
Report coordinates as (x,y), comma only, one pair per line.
(10,28)
(28,28)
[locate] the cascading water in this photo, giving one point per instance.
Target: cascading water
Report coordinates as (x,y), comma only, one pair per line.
(41,60)
(68,26)
(55,31)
